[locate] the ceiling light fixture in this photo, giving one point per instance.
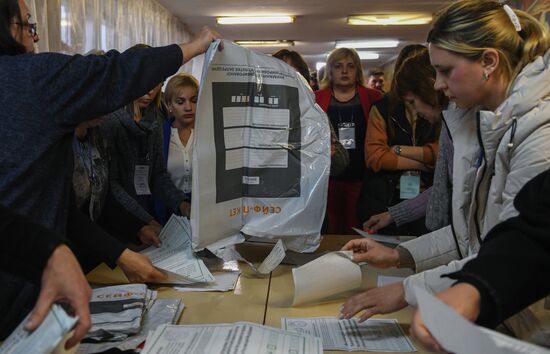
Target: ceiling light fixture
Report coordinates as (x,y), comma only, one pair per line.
(401,19)
(266,43)
(389,43)
(245,20)
(368,55)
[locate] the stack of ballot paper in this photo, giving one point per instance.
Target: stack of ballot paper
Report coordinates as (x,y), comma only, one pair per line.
(117,311)
(175,255)
(45,338)
(161,312)
(374,335)
(239,337)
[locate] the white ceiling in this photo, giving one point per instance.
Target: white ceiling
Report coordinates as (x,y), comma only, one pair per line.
(318,24)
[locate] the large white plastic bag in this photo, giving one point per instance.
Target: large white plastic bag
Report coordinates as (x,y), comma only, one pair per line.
(276,187)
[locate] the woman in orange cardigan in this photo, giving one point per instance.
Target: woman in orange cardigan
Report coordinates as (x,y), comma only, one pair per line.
(347,103)
(402,143)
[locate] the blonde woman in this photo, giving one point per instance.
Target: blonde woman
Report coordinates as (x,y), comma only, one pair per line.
(494,64)
(181,96)
(347,103)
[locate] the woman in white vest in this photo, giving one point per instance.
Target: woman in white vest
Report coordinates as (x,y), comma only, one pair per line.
(493,64)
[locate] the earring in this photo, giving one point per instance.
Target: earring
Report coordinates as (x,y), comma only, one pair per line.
(485,76)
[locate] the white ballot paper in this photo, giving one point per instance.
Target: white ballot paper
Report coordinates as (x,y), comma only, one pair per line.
(45,338)
(376,335)
(261,157)
(328,275)
(394,240)
(224,281)
(239,337)
(450,329)
(175,255)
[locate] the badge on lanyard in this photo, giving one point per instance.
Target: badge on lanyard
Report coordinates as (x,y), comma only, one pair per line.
(346,134)
(141,180)
(409,186)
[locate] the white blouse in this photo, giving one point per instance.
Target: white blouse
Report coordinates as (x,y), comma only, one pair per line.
(180,161)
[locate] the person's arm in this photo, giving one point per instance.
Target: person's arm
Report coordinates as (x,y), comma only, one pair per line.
(513,264)
(91,238)
(78,88)
(411,209)
(378,154)
(26,246)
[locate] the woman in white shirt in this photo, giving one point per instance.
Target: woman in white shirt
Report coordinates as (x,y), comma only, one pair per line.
(181,99)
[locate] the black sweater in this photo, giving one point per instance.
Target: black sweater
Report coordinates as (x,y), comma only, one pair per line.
(512,269)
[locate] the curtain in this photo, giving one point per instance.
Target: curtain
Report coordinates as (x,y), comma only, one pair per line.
(78,26)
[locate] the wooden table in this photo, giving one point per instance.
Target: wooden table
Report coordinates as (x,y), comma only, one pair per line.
(263,300)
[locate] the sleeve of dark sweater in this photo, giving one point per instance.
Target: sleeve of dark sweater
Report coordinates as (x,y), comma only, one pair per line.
(78,88)
(120,222)
(89,236)
(26,246)
(512,269)
(161,183)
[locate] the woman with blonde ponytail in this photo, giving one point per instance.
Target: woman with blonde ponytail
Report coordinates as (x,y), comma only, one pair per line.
(493,63)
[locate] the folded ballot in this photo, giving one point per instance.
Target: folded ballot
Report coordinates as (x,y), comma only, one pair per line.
(328,275)
(175,256)
(45,338)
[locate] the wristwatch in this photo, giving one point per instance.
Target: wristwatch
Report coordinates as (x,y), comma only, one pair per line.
(397,150)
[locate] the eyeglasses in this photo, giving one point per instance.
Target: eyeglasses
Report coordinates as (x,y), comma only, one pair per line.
(33,29)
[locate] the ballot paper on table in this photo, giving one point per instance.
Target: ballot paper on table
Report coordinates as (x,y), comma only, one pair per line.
(376,335)
(175,255)
(328,275)
(162,311)
(450,329)
(239,337)
(224,281)
(393,240)
(45,338)
(261,155)
(275,257)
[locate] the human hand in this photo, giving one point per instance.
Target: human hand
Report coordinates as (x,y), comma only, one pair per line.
(378,221)
(199,44)
(464,298)
(63,281)
(372,252)
(185,209)
(150,234)
(138,268)
(386,299)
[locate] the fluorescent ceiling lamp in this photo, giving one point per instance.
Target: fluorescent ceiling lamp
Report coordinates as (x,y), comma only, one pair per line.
(245,20)
(368,55)
(319,65)
(391,19)
(390,43)
(274,43)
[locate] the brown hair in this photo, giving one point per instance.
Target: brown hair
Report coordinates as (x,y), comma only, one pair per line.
(296,60)
(416,75)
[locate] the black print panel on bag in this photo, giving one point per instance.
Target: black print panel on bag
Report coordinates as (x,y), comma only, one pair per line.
(257,139)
